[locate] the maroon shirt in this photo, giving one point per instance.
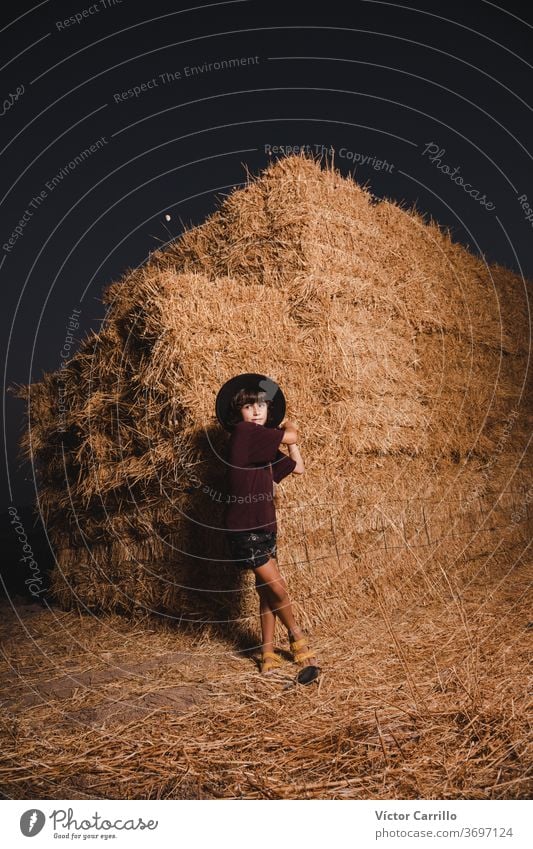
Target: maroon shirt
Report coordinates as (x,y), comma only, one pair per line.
(250,491)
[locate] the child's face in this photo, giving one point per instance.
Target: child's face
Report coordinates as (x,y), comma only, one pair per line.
(256,412)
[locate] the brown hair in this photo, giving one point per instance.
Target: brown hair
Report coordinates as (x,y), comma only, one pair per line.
(247,396)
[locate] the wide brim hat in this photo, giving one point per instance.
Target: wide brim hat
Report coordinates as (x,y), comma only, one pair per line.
(250,381)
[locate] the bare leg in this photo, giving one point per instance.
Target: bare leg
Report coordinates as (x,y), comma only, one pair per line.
(269,580)
(268,618)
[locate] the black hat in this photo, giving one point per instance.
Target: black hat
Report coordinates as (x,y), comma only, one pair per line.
(256,382)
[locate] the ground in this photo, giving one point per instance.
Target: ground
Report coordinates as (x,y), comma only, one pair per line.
(428,702)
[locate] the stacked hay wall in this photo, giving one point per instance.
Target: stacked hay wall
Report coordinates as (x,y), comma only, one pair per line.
(404,360)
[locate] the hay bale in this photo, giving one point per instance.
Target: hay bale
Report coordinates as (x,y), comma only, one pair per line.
(401,356)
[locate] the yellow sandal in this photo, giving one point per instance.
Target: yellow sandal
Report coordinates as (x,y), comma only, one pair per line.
(270,662)
(299,656)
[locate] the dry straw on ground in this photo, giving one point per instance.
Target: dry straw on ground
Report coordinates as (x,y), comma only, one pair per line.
(429,702)
(405,362)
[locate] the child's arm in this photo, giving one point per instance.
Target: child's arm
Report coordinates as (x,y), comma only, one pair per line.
(290,432)
(294,454)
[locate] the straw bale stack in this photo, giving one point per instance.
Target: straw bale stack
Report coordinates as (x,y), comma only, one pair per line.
(404,360)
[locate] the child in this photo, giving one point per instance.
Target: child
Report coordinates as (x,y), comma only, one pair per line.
(255,465)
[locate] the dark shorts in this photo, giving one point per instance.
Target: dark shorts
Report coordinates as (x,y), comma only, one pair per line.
(250,549)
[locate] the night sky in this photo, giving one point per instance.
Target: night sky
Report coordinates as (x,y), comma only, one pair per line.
(174,102)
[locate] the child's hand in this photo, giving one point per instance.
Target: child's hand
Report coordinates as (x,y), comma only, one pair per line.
(290,437)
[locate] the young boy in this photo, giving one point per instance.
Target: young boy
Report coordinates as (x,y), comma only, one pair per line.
(255,466)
